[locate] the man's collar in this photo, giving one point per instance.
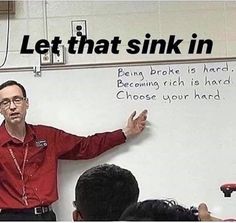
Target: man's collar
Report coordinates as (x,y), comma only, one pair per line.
(5,136)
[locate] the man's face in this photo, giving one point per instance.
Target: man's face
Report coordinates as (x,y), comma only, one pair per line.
(13,105)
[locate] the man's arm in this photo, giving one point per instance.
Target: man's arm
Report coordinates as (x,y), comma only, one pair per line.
(76,147)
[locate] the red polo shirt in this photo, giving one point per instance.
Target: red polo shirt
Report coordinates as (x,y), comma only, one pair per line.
(45,146)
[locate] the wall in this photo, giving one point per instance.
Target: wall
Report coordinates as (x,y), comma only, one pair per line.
(210,20)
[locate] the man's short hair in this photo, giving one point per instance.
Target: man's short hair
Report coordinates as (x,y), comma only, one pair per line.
(11,83)
(104,192)
(158,210)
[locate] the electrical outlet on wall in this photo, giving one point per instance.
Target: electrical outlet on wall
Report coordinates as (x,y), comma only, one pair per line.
(60,57)
(46,58)
(79,28)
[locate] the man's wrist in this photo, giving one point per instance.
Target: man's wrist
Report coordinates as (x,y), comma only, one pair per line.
(127,132)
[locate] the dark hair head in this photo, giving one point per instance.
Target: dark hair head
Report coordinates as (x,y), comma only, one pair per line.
(104,192)
(12,82)
(158,210)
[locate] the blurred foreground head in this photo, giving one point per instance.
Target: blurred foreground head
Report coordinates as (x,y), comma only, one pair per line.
(158,210)
(103,192)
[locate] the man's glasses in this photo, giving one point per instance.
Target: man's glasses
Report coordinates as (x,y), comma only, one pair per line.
(17,100)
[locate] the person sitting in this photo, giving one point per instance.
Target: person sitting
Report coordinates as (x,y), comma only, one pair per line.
(165,210)
(103,192)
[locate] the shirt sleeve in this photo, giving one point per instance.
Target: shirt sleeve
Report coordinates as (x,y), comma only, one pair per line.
(74,147)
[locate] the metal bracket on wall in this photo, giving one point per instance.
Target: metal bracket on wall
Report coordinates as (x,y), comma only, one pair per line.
(37,71)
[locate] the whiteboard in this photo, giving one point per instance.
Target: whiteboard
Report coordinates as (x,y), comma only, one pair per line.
(187,150)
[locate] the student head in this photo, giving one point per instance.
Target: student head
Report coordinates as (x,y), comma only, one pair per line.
(157,210)
(13,102)
(103,192)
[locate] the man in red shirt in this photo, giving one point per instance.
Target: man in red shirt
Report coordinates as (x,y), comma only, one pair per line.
(29,154)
